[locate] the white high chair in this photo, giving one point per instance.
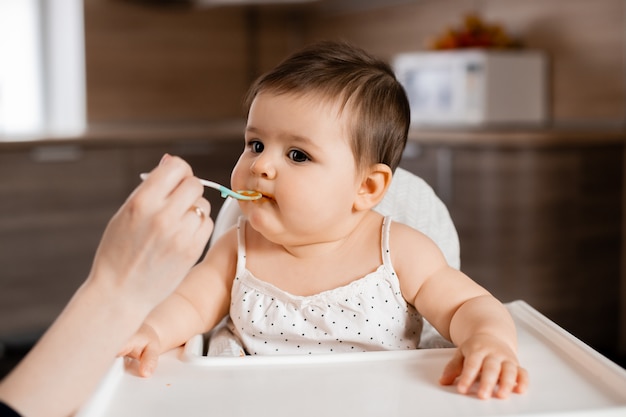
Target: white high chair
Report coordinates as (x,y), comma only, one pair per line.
(409,200)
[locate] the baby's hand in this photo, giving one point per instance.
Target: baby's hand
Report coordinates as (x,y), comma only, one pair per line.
(145,347)
(489,361)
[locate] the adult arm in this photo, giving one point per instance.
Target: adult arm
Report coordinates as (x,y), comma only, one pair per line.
(196,306)
(147,248)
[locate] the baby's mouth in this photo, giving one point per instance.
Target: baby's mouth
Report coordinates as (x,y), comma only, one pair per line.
(265,197)
(249,195)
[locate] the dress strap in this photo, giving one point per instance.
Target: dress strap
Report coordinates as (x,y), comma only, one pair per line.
(384,243)
(241,245)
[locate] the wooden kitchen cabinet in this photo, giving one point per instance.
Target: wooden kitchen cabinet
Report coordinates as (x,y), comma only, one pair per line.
(54,204)
(538,219)
(56,198)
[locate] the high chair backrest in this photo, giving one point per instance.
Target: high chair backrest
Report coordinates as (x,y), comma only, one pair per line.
(409,200)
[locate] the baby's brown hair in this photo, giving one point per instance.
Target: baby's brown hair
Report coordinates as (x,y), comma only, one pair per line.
(364,84)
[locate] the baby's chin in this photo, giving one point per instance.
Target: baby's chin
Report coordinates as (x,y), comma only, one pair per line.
(260,222)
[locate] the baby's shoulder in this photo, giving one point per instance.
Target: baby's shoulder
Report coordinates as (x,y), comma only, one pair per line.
(409,246)
(400,232)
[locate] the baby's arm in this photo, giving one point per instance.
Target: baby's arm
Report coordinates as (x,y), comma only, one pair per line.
(463,312)
(196,306)
(485,335)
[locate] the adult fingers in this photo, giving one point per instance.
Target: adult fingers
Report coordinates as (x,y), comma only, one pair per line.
(202,210)
(165,178)
(197,228)
(185,198)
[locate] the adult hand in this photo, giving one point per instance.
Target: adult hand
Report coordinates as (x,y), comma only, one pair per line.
(146,250)
(156,236)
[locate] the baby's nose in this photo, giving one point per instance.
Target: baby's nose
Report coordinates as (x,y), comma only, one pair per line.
(264,167)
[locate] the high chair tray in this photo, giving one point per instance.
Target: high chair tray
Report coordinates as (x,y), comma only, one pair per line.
(566,378)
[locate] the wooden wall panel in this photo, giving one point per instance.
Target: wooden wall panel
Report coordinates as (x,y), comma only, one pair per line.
(390,30)
(160,65)
(151,64)
(280,32)
(53,212)
(585,41)
(587,47)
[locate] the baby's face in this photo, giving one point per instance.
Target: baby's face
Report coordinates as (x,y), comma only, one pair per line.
(297,153)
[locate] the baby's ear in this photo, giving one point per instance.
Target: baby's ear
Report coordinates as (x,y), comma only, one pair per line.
(373,187)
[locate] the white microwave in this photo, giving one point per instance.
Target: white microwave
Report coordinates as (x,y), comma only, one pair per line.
(474,87)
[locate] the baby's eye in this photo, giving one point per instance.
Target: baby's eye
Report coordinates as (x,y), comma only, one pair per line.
(298,156)
(256,146)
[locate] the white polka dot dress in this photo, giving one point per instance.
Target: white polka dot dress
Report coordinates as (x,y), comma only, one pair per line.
(366,315)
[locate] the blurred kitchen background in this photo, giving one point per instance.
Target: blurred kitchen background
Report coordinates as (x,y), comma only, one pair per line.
(538,202)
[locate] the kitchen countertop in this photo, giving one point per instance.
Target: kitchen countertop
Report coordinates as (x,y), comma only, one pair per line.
(519,137)
(135,134)
(513,137)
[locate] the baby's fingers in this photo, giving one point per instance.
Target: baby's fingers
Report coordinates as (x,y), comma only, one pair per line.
(493,370)
(472,367)
(453,369)
(148,361)
(467,369)
(522,381)
(131,350)
(501,379)
(146,358)
(508,379)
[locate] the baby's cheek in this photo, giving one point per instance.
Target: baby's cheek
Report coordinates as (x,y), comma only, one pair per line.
(237,178)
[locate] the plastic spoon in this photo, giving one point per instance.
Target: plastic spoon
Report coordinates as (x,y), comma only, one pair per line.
(226,192)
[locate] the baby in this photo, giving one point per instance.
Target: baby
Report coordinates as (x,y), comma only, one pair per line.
(310,267)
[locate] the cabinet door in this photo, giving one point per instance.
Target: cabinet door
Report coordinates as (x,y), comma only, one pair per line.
(55,202)
(538,224)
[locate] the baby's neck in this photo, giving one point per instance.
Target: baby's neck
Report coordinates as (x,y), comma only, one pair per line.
(310,268)
(333,244)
